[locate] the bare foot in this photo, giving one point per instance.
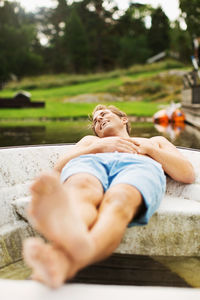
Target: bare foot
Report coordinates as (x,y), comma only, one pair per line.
(54,214)
(49,264)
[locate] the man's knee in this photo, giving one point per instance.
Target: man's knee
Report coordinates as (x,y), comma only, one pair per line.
(86,183)
(124,199)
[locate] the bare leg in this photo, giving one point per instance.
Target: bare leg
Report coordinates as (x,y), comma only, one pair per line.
(87,194)
(54,211)
(50,204)
(120,205)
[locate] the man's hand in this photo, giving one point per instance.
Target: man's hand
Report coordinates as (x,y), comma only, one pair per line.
(111,144)
(172,160)
(145,146)
(92,144)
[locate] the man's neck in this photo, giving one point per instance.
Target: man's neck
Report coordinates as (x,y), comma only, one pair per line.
(123,134)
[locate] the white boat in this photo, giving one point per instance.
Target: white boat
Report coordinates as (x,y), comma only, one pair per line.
(173,230)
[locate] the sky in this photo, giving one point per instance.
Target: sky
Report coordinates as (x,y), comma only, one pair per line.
(170,7)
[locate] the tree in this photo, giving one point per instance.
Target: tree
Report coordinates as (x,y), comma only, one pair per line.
(99,25)
(191,14)
(133,50)
(132,35)
(181,42)
(58,17)
(52,23)
(159,38)
(76,43)
(18,39)
(132,22)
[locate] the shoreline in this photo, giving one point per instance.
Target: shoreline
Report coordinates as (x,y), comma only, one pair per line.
(81,118)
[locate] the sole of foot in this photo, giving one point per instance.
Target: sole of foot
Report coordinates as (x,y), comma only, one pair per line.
(49,265)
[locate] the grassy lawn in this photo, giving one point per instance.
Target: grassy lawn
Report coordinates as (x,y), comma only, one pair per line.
(63,92)
(142,81)
(56,110)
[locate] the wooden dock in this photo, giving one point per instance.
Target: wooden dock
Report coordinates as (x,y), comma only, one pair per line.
(191,105)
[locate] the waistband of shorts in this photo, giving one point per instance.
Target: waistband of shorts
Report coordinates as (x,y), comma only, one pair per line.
(117,155)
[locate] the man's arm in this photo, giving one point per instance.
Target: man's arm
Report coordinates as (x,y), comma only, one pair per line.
(172,161)
(92,145)
(81,148)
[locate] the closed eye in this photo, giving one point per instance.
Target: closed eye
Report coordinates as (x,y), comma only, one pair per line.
(102,115)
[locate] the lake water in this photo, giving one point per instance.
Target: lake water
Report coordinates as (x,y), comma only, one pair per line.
(72,131)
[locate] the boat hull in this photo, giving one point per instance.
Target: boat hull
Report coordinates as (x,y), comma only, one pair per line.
(172,231)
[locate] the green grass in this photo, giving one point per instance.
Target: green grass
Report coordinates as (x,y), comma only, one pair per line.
(60,125)
(62,93)
(50,81)
(74,110)
(49,124)
(142,82)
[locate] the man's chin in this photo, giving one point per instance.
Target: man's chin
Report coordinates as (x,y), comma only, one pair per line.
(107,132)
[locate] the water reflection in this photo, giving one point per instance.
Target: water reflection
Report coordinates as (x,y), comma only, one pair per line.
(182,135)
(20,135)
(49,133)
(72,131)
(172,130)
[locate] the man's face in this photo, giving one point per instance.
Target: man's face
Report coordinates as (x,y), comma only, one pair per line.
(106,123)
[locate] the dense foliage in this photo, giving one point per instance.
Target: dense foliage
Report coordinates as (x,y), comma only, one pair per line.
(86,36)
(191,14)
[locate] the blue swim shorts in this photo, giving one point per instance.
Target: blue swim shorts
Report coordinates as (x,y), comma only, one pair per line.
(140,171)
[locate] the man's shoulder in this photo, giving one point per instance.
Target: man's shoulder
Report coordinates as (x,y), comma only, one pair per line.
(139,139)
(90,138)
(156,139)
(86,140)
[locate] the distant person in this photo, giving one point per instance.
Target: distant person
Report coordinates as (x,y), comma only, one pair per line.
(102,185)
